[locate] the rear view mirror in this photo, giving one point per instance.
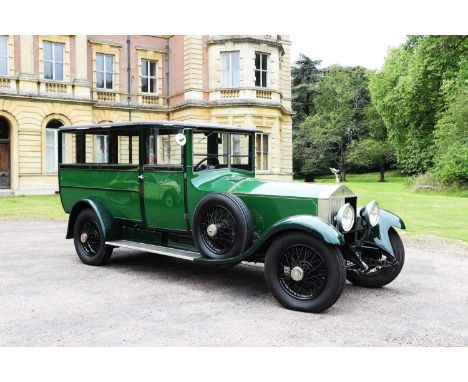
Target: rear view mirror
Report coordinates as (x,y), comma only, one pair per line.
(180,139)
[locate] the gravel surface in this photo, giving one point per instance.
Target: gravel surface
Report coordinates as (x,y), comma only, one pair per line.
(49,298)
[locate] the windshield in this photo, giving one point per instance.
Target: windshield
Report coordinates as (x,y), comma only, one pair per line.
(213,150)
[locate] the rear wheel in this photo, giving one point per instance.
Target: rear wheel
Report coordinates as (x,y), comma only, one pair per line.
(304,273)
(89,239)
(380,276)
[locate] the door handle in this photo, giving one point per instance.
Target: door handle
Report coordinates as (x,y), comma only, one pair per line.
(141,177)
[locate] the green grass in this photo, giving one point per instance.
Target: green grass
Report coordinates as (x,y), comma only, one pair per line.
(46,207)
(426,212)
(441,213)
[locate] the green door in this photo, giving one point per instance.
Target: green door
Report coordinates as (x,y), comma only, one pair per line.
(163,180)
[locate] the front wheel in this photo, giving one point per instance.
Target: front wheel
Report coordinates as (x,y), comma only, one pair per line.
(303,273)
(378,275)
(89,239)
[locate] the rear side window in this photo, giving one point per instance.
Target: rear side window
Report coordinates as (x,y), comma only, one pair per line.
(97,146)
(124,146)
(69,148)
(161,147)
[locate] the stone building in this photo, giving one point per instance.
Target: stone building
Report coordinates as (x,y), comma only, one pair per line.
(49,81)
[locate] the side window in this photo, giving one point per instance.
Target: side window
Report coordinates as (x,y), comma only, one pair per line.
(210,150)
(162,148)
(124,146)
(69,148)
(241,156)
(97,146)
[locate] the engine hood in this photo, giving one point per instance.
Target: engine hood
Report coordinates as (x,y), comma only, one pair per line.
(254,186)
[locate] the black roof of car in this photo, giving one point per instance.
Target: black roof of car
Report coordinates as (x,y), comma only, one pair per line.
(168,124)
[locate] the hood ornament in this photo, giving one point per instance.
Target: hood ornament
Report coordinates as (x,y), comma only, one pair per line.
(336,172)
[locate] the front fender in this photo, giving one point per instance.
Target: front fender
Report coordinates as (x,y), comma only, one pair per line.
(379,234)
(104,216)
(307,223)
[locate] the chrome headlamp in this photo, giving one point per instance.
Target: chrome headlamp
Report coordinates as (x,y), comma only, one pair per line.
(371,213)
(345,218)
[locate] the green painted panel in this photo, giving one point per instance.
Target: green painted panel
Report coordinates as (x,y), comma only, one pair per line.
(117,190)
(164,200)
(267,210)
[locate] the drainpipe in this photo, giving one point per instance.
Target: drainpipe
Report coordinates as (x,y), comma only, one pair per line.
(166,88)
(129,88)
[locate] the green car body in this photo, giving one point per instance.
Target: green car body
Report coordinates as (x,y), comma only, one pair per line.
(155,204)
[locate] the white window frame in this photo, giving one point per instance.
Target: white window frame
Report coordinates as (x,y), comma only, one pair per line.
(231,72)
(262,70)
(262,165)
(5,39)
(149,77)
(53,61)
(54,170)
(105,70)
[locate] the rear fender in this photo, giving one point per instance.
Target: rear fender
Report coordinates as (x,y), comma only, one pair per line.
(105,218)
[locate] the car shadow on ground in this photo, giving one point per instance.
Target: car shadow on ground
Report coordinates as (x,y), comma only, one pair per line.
(244,280)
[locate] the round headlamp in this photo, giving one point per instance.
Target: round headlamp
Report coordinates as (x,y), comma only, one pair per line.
(371,213)
(345,218)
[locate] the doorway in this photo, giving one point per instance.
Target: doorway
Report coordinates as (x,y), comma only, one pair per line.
(5,173)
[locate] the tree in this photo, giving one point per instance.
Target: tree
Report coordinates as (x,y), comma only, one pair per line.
(305,77)
(340,113)
(408,94)
(451,132)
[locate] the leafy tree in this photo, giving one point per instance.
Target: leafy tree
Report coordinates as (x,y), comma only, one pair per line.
(305,78)
(451,132)
(408,94)
(340,117)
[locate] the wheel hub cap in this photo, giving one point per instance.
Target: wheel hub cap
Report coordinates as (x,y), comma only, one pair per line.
(212,230)
(84,237)
(297,273)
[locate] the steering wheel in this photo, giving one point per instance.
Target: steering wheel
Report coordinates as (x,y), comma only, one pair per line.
(196,168)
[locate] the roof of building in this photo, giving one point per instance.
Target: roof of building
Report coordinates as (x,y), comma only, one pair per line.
(168,124)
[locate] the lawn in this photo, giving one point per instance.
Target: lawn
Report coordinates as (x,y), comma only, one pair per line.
(47,207)
(426,212)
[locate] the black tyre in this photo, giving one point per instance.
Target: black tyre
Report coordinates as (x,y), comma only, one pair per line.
(222,226)
(89,239)
(381,276)
(303,273)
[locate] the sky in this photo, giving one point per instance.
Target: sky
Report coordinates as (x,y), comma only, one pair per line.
(368,50)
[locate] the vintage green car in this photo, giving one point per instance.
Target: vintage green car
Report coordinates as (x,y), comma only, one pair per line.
(188,190)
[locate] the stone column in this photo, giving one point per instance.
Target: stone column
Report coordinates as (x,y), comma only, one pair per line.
(28,78)
(193,67)
(82,88)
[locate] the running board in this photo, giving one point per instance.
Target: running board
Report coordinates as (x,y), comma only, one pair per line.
(166,251)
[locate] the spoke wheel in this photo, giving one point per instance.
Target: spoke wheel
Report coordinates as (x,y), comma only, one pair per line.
(218,230)
(302,272)
(90,238)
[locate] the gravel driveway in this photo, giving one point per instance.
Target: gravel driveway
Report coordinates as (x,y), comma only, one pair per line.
(49,298)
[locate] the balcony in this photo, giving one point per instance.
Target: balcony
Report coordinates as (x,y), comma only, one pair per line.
(262,95)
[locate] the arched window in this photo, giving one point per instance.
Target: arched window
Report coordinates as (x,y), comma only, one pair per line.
(51,145)
(4,153)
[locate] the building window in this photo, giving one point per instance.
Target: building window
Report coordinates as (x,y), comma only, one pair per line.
(53,60)
(148,76)
(51,145)
(262,146)
(230,68)
(104,71)
(261,60)
(3,55)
